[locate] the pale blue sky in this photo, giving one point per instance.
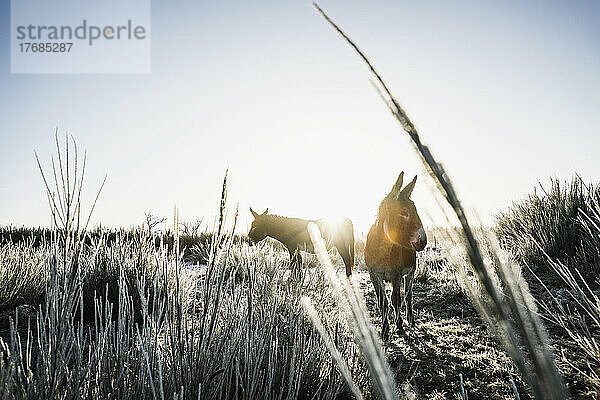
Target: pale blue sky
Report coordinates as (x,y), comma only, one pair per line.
(505,93)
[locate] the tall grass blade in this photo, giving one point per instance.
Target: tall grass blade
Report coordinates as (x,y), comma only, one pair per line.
(519,330)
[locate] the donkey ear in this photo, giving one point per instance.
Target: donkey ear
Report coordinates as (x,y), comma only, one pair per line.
(254,213)
(397,186)
(406,192)
(266,211)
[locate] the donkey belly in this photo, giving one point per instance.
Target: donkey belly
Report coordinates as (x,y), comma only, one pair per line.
(307,246)
(390,274)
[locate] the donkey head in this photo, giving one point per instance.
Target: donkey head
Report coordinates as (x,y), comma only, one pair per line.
(258,230)
(398,214)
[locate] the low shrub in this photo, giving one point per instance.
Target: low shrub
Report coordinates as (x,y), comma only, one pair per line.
(554,221)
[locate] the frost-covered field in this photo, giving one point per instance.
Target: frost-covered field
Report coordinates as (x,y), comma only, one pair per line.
(233,328)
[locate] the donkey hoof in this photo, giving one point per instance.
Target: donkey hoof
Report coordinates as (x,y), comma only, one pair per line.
(385,333)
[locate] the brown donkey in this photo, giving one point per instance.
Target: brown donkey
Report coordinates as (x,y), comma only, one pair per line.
(390,251)
(293,233)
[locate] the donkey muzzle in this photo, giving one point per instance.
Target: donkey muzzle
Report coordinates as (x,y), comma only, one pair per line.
(419,240)
(252,236)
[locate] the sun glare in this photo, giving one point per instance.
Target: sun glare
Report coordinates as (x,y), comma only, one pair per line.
(333,222)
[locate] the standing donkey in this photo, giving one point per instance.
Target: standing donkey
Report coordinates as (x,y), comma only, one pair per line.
(390,251)
(293,233)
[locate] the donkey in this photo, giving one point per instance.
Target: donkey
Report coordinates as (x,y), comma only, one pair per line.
(293,234)
(390,251)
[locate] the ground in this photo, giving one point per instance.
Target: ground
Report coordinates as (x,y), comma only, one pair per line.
(448,339)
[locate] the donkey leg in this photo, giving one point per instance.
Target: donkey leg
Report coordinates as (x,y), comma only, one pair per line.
(299,257)
(397,303)
(409,292)
(382,302)
(298,263)
(294,264)
(348,260)
(292,256)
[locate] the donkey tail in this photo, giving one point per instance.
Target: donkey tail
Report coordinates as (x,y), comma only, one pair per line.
(350,265)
